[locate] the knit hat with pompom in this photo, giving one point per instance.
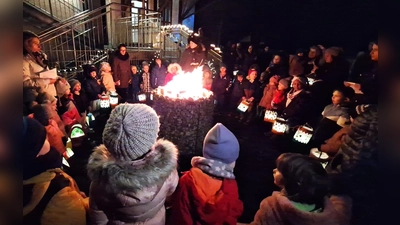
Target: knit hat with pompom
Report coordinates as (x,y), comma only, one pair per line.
(131,131)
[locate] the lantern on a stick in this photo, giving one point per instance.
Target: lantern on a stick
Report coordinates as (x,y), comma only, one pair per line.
(303,134)
(280,126)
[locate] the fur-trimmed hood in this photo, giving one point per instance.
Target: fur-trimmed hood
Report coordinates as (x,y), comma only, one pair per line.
(133,176)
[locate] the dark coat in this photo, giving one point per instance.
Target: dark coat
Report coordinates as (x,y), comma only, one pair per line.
(158,74)
(81,102)
(92,88)
(297,112)
(190,56)
(334,73)
(238,89)
(136,80)
(252,90)
(122,69)
(220,85)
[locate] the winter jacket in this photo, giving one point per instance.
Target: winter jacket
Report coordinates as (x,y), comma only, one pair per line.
(146,82)
(122,69)
(136,80)
(238,89)
(108,81)
(279,210)
(168,78)
(251,89)
(54,199)
(268,95)
(279,100)
(158,74)
(333,144)
(31,76)
(220,84)
(132,192)
(190,56)
(297,112)
(92,88)
(81,102)
(201,199)
(334,73)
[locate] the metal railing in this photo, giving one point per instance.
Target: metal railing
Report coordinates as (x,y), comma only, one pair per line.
(58,9)
(84,39)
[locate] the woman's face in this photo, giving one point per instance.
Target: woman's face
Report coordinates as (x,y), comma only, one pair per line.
(374,52)
(312,53)
(122,50)
(276,60)
(278,178)
(32,45)
(297,85)
(192,44)
(328,58)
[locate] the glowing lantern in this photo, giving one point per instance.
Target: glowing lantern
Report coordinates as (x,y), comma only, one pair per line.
(105,102)
(89,119)
(303,134)
(270,116)
(113,99)
(280,126)
(76,131)
(320,156)
(243,106)
(142,97)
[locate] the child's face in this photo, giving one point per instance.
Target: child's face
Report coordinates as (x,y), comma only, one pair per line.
(93,74)
(281,87)
(337,98)
(106,67)
(77,87)
(273,80)
(253,75)
(276,60)
(240,78)
(297,86)
(222,69)
(67,92)
(134,69)
(278,178)
(54,105)
(146,69)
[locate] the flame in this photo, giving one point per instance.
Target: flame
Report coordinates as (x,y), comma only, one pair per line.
(186,85)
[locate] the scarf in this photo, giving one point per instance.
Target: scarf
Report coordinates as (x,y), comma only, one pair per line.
(291,95)
(213,167)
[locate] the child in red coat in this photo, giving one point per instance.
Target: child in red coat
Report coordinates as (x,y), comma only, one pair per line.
(279,98)
(208,192)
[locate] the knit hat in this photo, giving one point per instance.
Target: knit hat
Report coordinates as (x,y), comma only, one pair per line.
(131,131)
(45,97)
(221,144)
(284,82)
(41,114)
(250,71)
(302,80)
(73,82)
(195,39)
(92,68)
(33,137)
(61,88)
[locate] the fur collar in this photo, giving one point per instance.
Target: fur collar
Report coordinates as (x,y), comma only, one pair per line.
(133,176)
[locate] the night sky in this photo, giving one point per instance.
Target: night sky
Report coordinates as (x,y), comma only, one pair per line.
(288,25)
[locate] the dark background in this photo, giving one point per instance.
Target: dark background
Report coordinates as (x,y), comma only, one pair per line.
(290,24)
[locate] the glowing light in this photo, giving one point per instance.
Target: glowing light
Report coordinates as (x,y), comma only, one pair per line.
(212,45)
(185,85)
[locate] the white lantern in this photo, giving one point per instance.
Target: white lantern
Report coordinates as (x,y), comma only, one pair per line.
(105,102)
(322,157)
(270,116)
(142,97)
(151,96)
(280,126)
(113,98)
(303,134)
(310,80)
(243,106)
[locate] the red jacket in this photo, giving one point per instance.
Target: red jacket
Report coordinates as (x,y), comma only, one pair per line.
(169,77)
(201,199)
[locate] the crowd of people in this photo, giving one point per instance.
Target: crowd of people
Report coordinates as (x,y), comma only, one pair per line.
(134,174)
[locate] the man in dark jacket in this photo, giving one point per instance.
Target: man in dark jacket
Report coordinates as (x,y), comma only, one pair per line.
(158,74)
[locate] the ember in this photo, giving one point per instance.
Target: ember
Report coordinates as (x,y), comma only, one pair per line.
(186,111)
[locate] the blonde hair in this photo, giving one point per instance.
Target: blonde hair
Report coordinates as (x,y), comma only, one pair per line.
(174,65)
(103,64)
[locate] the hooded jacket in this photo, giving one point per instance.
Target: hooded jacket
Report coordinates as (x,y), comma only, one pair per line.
(66,206)
(201,199)
(132,192)
(279,210)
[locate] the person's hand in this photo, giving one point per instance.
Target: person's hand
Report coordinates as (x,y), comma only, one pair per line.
(130,81)
(83,194)
(99,81)
(117,83)
(251,99)
(267,70)
(243,98)
(314,68)
(99,95)
(53,81)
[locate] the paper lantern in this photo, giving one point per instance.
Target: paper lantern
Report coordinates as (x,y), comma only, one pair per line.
(322,157)
(113,98)
(303,134)
(270,116)
(280,126)
(310,80)
(105,102)
(76,131)
(243,106)
(142,97)
(89,119)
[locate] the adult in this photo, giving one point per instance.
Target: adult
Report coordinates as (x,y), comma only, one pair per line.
(133,172)
(194,55)
(158,74)
(264,58)
(122,71)
(314,56)
(277,67)
(220,87)
(34,62)
(250,58)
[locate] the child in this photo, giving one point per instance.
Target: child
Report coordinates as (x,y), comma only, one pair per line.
(279,98)
(145,84)
(237,91)
(269,90)
(335,116)
(208,192)
(173,70)
(107,78)
(303,198)
(251,87)
(80,99)
(50,103)
(135,82)
(67,109)
(93,86)
(54,134)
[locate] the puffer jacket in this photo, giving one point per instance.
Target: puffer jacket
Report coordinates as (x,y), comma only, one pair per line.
(132,192)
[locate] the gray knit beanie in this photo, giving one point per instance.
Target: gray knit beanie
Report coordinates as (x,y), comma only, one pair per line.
(131,131)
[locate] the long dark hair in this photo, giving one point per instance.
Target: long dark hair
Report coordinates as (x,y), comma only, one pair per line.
(304,178)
